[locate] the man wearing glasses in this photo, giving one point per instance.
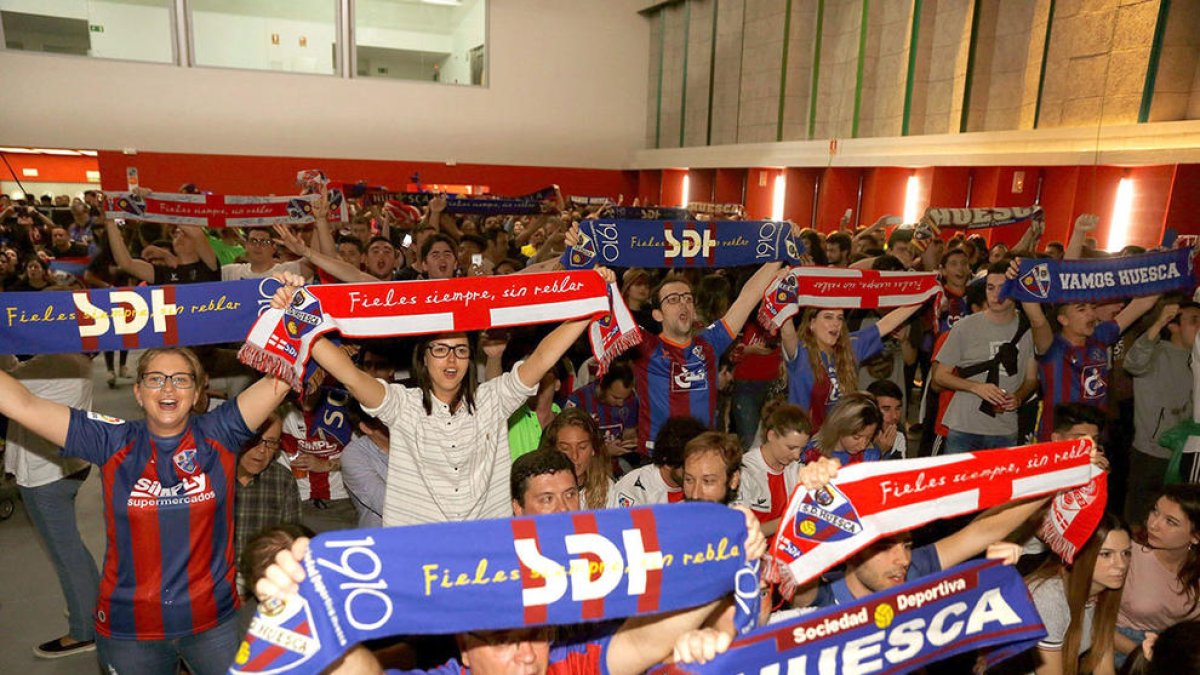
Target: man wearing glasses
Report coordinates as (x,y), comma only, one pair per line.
(266,491)
(260,260)
(677,369)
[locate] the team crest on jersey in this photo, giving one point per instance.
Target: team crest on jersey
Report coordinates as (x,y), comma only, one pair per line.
(826,515)
(1092,382)
(278,641)
(100,417)
(688,379)
(1037,280)
(624,500)
(186,460)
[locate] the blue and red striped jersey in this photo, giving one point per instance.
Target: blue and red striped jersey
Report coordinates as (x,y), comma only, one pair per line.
(675,380)
(802,380)
(612,420)
(1073,374)
(168,513)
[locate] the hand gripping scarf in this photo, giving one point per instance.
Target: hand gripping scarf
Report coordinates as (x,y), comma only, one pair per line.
(564,568)
(103,319)
(280,343)
(1101,279)
(529,204)
(837,288)
(978,605)
(209,210)
(647,213)
(872,500)
(641,243)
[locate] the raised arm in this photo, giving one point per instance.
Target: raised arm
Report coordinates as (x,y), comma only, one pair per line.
(366,389)
(896,318)
(1029,240)
(132,266)
(1134,310)
(750,295)
(990,527)
(203,246)
(322,234)
(258,400)
(44,418)
(334,265)
(553,346)
(1085,223)
(1039,325)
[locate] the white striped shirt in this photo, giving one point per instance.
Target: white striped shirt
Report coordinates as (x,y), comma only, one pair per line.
(447,467)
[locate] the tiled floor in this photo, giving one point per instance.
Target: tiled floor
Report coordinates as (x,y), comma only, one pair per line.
(31,603)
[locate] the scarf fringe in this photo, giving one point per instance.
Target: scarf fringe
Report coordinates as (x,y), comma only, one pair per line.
(626,341)
(1058,542)
(270,364)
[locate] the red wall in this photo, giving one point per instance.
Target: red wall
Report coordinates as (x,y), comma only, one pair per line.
(730,184)
(243,174)
(50,168)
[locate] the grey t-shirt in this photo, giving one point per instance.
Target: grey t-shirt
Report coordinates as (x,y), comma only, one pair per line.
(972,340)
(1050,598)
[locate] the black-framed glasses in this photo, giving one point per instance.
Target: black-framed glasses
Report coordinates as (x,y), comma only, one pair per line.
(439,350)
(676,298)
(157,380)
(271,443)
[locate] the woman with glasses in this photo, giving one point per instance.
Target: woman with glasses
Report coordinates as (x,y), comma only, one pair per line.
(448,436)
(167,590)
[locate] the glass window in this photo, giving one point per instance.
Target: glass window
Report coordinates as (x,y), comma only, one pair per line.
(296,36)
(136,30)
(430,40)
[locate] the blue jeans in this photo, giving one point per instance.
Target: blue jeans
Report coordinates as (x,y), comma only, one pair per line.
(962,441)
(207,653)
(748,399)
(51,507)
(1131,633)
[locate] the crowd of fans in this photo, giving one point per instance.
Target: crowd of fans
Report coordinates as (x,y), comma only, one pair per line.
(709,406)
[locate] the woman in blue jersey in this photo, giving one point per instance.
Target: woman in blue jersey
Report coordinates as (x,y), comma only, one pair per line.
(822,355)
(167,591)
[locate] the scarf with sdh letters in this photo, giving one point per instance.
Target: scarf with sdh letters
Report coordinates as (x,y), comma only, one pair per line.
(281,341)
(980,605)
(837,288)
(872,500)
(210,210)
(647,213)
(666,244)
(1102,279)
(563,568)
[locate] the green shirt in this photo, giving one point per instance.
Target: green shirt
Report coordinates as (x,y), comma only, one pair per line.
(524,431)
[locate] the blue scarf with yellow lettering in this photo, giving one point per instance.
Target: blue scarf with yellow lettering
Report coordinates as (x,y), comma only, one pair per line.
(977,606)
(564,568)
(682,244)
(1102,279)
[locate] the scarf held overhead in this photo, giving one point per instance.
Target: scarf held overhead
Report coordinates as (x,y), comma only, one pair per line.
(104,319)
(565,568)
(209,210)
(1098,280)
(530,204)
(978,605)
(640,243)
(872,500)
(835,288)
(280,343)
(981,218)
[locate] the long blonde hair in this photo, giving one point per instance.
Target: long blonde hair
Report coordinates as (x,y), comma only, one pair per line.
(599,472)
(844,363)
(853,413)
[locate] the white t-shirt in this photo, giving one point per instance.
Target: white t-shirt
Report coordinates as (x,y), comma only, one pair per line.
(644,485)
(62,378)
(449,467)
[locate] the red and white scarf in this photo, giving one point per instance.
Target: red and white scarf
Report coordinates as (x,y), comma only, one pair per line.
(872,500)
(281,341)
(210,210)
(840,288)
